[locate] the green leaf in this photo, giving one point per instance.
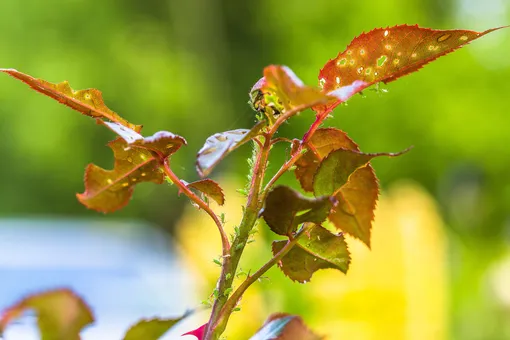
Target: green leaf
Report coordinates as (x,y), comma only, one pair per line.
(89,102)
(61,314)
(357,199)
(110,190)
(318,249)
(163,143)
(386,54)
(219,145)
(151,329)
(282,326)
(290,90)
(320,145)
(285,209)
(210,188)
(335,169)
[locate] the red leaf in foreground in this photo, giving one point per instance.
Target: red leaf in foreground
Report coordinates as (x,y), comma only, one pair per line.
(386,54)
(281,326)
(61,314)
(198,333)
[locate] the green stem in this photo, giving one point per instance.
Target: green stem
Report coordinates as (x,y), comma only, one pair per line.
(256,196)
(248,221)
(236,296)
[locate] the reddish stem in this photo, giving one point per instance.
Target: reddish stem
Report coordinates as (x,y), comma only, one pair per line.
(191,195)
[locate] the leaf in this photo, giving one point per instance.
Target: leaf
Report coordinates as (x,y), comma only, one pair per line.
(89,102)
(163,143)
(318,249)
(152,329)
(386,54)
(219,145)
(198,333)
(357,199)
(290,90)
(320,145)
(281,326)
(285,209)
(210,188)
(335,169)
(110,190)
(61,314)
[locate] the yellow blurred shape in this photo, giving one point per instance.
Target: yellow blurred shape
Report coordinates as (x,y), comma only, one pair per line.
(397,290)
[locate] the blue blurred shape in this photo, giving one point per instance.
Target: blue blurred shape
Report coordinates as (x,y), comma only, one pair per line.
(124,270)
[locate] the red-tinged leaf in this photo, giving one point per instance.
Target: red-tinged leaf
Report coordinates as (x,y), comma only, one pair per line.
(335,169)
(290,90)
(89,102)
(209,188)
(285,209)
(318,249)
(198,333)
(60,314)
(152,329)
(281,326)
(357,199)
(110,190)
(219,145)
(163,143)
(321,144)
(386,54)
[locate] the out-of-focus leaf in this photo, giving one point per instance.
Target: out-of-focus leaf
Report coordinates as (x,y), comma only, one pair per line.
(163,143)
(210,188)
(318,249)
(89,102)
(281,326)
(320,145)
(357,199)
(285,209)
(152,329)
(198,333)
(290,90)
(386,54)
(335,169)
(61,314)
(220,145)
(110,190)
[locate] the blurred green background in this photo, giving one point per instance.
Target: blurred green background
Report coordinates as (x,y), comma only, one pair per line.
(186,67)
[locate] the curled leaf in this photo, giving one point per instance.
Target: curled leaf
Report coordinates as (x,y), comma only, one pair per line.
(357,199)
(219,145)
(335,169)
(110,190)
(285,209)
(320,145)
(210,188)
(61,314)
(89,102)
(151,329)
(386,54)
(163,143)
(290,90)
(281,326)
(318,249)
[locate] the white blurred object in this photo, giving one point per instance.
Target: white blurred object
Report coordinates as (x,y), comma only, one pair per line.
(123,270)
